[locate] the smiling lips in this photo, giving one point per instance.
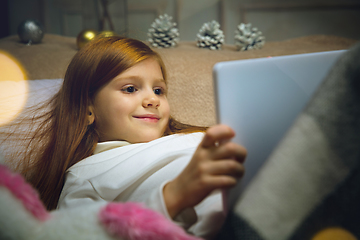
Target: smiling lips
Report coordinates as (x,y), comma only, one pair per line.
(148,118)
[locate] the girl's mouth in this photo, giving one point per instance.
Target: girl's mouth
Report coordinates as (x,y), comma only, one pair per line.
(148,118)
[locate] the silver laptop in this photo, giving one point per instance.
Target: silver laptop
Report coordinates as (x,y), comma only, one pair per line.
(261,98)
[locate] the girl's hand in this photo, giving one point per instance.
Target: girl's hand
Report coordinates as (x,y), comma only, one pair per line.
(217,163)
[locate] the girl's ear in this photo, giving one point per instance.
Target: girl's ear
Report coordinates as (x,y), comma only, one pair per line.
(91,115)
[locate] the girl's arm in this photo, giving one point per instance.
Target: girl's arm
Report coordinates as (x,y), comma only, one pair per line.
(217,163)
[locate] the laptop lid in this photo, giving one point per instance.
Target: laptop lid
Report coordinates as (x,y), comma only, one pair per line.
(261,98)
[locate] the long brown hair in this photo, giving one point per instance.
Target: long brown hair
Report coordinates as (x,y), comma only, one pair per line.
(63,136)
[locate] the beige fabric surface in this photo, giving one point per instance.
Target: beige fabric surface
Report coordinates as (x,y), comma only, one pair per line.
(189,68)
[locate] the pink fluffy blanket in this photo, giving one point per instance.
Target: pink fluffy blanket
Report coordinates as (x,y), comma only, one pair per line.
(23,216)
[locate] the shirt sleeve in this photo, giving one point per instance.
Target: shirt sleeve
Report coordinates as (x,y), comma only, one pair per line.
(156,201)
(211,216)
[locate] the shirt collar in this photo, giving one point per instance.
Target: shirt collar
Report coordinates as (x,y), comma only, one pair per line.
(104,146)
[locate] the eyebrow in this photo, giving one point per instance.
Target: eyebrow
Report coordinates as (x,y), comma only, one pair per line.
(136,78)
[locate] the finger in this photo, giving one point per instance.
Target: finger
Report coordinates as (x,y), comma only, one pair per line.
(217,134)
(226,167)
(229,150)
(221,181)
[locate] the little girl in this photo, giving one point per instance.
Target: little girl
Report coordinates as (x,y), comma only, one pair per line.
(109,137)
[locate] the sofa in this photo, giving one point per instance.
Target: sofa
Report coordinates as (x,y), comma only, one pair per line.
(190,85)
(308,187)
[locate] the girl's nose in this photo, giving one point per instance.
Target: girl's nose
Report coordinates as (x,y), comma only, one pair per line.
(152,100)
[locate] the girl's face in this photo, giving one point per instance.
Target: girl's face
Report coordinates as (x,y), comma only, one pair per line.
(133,106)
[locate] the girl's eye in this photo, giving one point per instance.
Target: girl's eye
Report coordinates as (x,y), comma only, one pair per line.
(159,91)
(129,89)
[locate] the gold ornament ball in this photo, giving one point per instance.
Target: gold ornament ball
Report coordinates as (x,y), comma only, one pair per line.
(85,36)
(107,33)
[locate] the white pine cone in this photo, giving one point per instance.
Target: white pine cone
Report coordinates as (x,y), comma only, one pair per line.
(210,36)
(247,38)
(163,33)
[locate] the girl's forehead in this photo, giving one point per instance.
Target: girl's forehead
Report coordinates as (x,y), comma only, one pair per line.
(148,69)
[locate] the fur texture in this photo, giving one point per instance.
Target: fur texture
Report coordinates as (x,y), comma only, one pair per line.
(132,221)
(23,192)
(23,216)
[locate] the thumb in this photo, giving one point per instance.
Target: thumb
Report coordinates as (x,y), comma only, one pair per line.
(216,135)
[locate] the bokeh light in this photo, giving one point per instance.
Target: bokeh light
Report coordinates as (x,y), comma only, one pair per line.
(13,88)
(334,233)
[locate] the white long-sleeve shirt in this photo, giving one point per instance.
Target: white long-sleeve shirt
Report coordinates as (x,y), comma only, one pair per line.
(119,171)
